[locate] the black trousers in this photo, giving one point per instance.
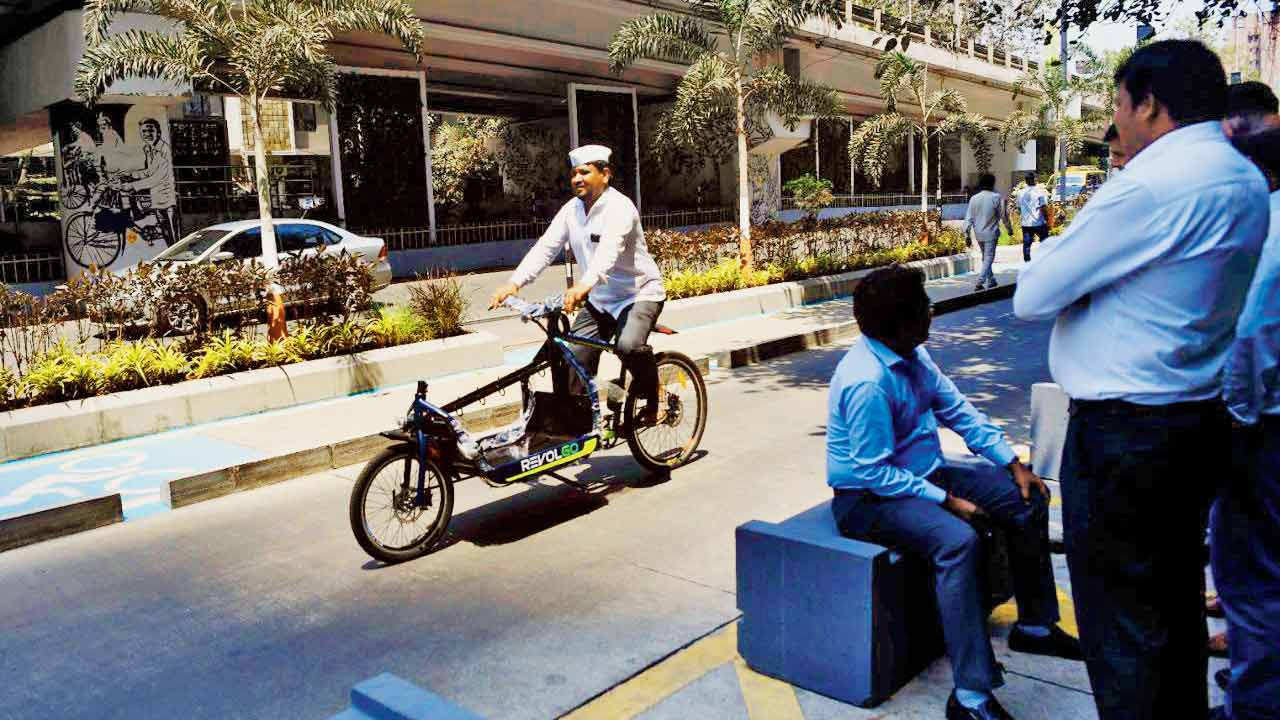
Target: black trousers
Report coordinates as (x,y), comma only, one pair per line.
(631,328)
(1030,233)
(1137,484)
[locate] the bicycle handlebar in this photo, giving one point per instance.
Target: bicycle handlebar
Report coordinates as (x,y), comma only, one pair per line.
(528,311)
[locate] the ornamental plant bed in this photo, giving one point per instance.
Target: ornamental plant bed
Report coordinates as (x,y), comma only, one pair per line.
(704,262)
(78,343)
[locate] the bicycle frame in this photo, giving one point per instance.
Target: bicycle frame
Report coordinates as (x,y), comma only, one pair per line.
(555,354)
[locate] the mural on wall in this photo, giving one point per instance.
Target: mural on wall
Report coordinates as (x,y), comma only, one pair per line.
(116,182)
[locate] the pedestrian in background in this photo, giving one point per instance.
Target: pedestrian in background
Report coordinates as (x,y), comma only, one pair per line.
(1251,108)
(1115,151)
(985,215)
(1031,207)
(1245,536)
(1146,285)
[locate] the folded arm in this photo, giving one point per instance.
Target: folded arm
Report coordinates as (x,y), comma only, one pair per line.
(1118,232)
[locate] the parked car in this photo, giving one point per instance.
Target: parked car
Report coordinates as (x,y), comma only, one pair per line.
(241,241)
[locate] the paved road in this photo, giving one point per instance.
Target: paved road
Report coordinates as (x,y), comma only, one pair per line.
(261,605)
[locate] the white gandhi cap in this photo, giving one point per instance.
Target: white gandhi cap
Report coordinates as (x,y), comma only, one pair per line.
(588,154)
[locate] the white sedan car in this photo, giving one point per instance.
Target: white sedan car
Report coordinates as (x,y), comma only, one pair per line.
(242,241)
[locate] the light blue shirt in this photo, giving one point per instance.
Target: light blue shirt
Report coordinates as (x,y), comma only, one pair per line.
(1251,378)
(1148,280)
(882,423)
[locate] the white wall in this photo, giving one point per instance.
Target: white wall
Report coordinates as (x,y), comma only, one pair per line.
(39,68)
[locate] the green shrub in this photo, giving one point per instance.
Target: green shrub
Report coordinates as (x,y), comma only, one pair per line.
(725,275)
(340,338)
(8,388)
(397,326)
(62,374)
(222,354)
(271,353)
(811,194)
(442,305)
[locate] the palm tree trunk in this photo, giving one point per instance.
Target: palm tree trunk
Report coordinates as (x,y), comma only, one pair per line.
(744,184)
(276,324)
(924,171)
(264,187)
(939,170)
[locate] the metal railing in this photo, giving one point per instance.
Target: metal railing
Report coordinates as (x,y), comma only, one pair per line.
(31,267)
(416,238)
(882,200)
(892,25)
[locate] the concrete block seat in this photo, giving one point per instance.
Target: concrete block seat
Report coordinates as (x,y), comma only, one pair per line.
(851,620)
(388,697)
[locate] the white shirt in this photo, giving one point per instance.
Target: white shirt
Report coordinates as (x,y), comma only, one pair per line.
(1148,280)
(985,213)
(1031,202)
(608,244)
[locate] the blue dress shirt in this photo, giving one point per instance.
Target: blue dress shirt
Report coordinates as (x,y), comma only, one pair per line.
(1251,378)
(1149,279)
(882,423)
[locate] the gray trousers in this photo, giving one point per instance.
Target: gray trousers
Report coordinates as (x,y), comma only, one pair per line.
(988,247)
(631,330)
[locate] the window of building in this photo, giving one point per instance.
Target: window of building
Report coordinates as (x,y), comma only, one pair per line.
(304,117)
(275,125)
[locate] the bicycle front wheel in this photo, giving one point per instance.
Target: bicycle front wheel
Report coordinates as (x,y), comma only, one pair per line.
(668,438)
(387,518)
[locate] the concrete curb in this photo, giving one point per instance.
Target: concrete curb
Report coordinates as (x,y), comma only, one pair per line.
(57,522)
(65,426)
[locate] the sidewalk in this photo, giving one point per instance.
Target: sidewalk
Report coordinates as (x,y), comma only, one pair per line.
(141,469)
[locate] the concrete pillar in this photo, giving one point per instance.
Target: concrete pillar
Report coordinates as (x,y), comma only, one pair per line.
(426,143)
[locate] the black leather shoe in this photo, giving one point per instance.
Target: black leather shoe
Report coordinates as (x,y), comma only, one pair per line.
(1223,678)
(1056,644)
(990,710)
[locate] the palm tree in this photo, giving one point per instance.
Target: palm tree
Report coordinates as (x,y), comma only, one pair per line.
(248,48)
(1050,116)
(942,112)
(730,83)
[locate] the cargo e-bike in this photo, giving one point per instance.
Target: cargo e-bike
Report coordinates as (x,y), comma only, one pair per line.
(403,500)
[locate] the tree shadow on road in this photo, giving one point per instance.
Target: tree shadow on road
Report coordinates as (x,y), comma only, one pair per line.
(993,358)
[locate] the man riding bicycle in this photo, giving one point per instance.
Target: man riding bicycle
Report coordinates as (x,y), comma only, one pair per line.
(619,287)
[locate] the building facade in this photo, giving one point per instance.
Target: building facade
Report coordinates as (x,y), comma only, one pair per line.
(540,66)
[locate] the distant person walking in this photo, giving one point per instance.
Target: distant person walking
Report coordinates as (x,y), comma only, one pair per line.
(985,215)
(1146,285)
(1031,206)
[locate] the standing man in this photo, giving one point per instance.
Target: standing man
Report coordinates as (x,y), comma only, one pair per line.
(1146,285)
(1251,108)
(1116,157)
(893,486)
(1031,204)
(620,283)
(157,178)
(985,214)
(1245,532)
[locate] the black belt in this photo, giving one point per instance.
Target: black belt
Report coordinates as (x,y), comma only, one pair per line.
(1128,409)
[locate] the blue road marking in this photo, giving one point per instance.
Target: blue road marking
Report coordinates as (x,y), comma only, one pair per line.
(140,470)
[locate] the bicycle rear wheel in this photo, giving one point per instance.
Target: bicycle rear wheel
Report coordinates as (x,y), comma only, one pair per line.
(385,517)
(682,416)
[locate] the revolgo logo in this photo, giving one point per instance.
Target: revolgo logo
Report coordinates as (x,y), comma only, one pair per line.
(549,456)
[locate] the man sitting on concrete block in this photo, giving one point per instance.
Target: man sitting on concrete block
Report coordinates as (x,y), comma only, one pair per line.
(893,486)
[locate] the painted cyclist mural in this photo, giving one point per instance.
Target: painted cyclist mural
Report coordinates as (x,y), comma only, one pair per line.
(118,200)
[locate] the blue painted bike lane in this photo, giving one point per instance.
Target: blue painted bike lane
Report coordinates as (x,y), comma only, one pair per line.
(138,469)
